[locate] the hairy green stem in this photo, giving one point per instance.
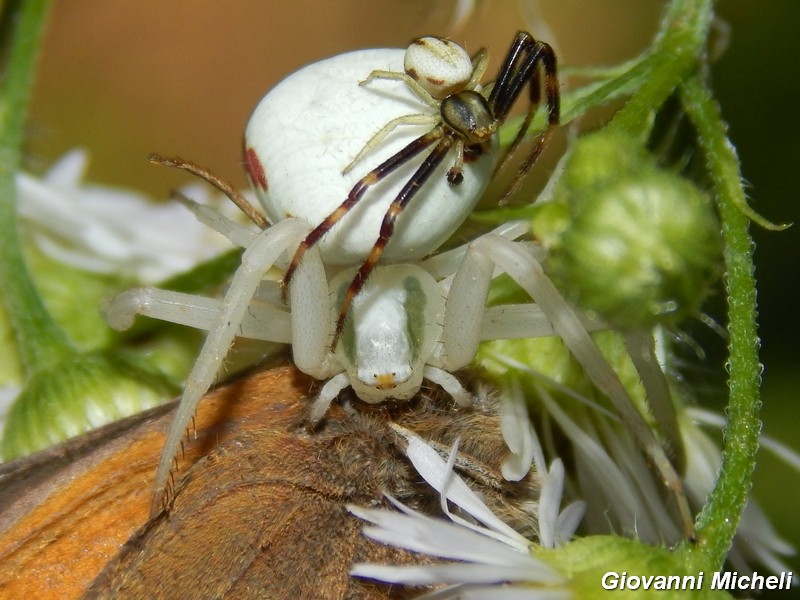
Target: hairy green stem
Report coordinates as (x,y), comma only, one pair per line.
(719,519)
(40,341)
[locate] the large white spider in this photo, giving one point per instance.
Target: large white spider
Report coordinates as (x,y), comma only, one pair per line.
(300,139)
(414,318)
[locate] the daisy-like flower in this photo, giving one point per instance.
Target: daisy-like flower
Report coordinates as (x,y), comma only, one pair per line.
(112,230)
(494,561)
(625,497)
(105,237)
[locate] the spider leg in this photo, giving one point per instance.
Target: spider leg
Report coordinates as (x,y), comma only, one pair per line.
(454,174)
(413,85)
(523,62)
(261,322)
(257,259)
(223,186)
(371,178)
(479,63)
(415,119)
(411,187)
(523,268)
(521,321)
(239,235)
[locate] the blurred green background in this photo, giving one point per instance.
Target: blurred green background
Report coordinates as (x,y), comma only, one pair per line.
(180,78)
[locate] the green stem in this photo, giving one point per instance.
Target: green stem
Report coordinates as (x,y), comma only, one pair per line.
(719,519)
(677,50)
(41,342)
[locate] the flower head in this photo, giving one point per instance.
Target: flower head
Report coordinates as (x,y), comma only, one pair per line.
(494,561)
(111,230)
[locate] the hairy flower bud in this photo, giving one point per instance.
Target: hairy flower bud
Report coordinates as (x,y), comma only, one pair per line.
(636,244)
(88,391)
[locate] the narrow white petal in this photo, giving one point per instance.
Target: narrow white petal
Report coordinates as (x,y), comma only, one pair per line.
(434,470)
(550,503)
(782,451)
(520,436)
(568,522)
(68,171)
(513,593)
(455,573)
(437,537)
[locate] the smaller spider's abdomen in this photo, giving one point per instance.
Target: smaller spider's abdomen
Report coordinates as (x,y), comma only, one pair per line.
(440,66)
(468,114)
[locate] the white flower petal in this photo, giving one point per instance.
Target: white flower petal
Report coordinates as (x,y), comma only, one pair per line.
(550,503)
(434,470)
(110,230)
(520,437)
(568,522)
(468,573)
(507,593)
(419,533)
(68,171)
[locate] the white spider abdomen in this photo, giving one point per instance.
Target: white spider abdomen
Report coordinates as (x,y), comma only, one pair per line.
(311,125)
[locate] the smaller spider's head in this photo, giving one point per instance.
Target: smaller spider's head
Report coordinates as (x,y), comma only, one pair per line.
(373,387)
(440,66)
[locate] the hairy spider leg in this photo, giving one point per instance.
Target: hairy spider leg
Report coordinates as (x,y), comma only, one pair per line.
(256,260)
(479,63)
(371,178)
(521,67)
(223,186)
(422,174)
(527,272)
(372,143)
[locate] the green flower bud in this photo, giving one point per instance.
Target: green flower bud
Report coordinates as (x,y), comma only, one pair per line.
(641,245)
(600,564)
(603,156)
(88,391)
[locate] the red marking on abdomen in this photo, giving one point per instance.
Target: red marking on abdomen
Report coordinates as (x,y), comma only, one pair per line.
(255,169)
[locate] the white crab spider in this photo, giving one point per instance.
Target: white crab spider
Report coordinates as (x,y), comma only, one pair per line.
(298,142)
(412,321)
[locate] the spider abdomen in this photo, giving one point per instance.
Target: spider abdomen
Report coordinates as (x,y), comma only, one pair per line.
(306,130)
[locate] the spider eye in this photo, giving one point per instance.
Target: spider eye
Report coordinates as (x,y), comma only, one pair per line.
(441,67)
